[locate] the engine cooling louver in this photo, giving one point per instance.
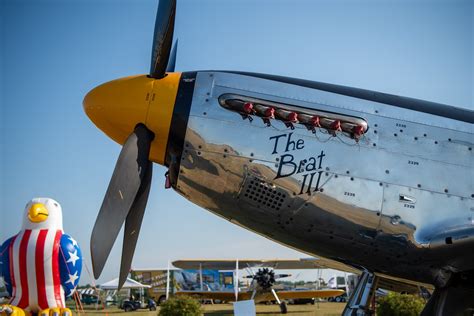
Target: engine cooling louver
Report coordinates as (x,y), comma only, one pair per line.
(262,194)
(292,115)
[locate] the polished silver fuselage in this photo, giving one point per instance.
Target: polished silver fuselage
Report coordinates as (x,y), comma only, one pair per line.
(398,202)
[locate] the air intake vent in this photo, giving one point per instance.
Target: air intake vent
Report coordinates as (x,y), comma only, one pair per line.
(262,195)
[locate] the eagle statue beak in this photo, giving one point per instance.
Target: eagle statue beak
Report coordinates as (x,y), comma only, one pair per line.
(38,213)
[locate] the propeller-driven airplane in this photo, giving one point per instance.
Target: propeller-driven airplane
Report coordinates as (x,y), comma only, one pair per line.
(261,288)
(378,182)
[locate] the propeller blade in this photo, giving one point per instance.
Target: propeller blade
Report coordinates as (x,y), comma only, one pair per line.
(122,191)
(172,60)
(162,38)
(133,224)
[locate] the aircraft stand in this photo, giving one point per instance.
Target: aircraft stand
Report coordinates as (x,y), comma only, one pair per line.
(362,296)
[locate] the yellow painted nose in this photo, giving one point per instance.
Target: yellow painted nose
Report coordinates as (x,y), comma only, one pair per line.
(38,213)
(116,107)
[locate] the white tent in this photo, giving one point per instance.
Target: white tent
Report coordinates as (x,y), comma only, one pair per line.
(129,284)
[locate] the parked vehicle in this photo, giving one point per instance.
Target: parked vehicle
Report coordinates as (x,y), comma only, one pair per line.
(339,299)
(130,306)
(90,299)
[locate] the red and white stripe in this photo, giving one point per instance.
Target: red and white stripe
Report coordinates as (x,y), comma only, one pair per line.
(34,270)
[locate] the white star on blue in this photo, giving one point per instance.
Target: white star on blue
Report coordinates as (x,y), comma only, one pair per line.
(70,264)
(73,258)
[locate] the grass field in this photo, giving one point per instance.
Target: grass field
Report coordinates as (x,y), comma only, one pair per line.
(321,309)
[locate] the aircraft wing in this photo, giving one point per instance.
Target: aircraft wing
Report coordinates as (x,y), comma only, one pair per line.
(230,296)
(295,294)
(308,294)
(216,295)
(283,264)
(401,285)
(386,282)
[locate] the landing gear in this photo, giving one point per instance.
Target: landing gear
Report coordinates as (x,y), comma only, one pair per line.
(456,298)
(282,304)
(362,296)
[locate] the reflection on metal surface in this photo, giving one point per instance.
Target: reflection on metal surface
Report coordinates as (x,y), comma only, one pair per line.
(379,204)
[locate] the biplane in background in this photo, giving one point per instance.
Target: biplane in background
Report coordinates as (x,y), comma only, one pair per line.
(262,282)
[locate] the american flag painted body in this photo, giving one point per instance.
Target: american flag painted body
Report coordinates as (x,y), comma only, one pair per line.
(40,268)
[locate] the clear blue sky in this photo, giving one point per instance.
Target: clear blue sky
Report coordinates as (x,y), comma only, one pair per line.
(54,52)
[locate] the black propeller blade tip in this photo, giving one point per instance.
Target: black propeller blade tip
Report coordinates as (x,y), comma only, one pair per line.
(162,38)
